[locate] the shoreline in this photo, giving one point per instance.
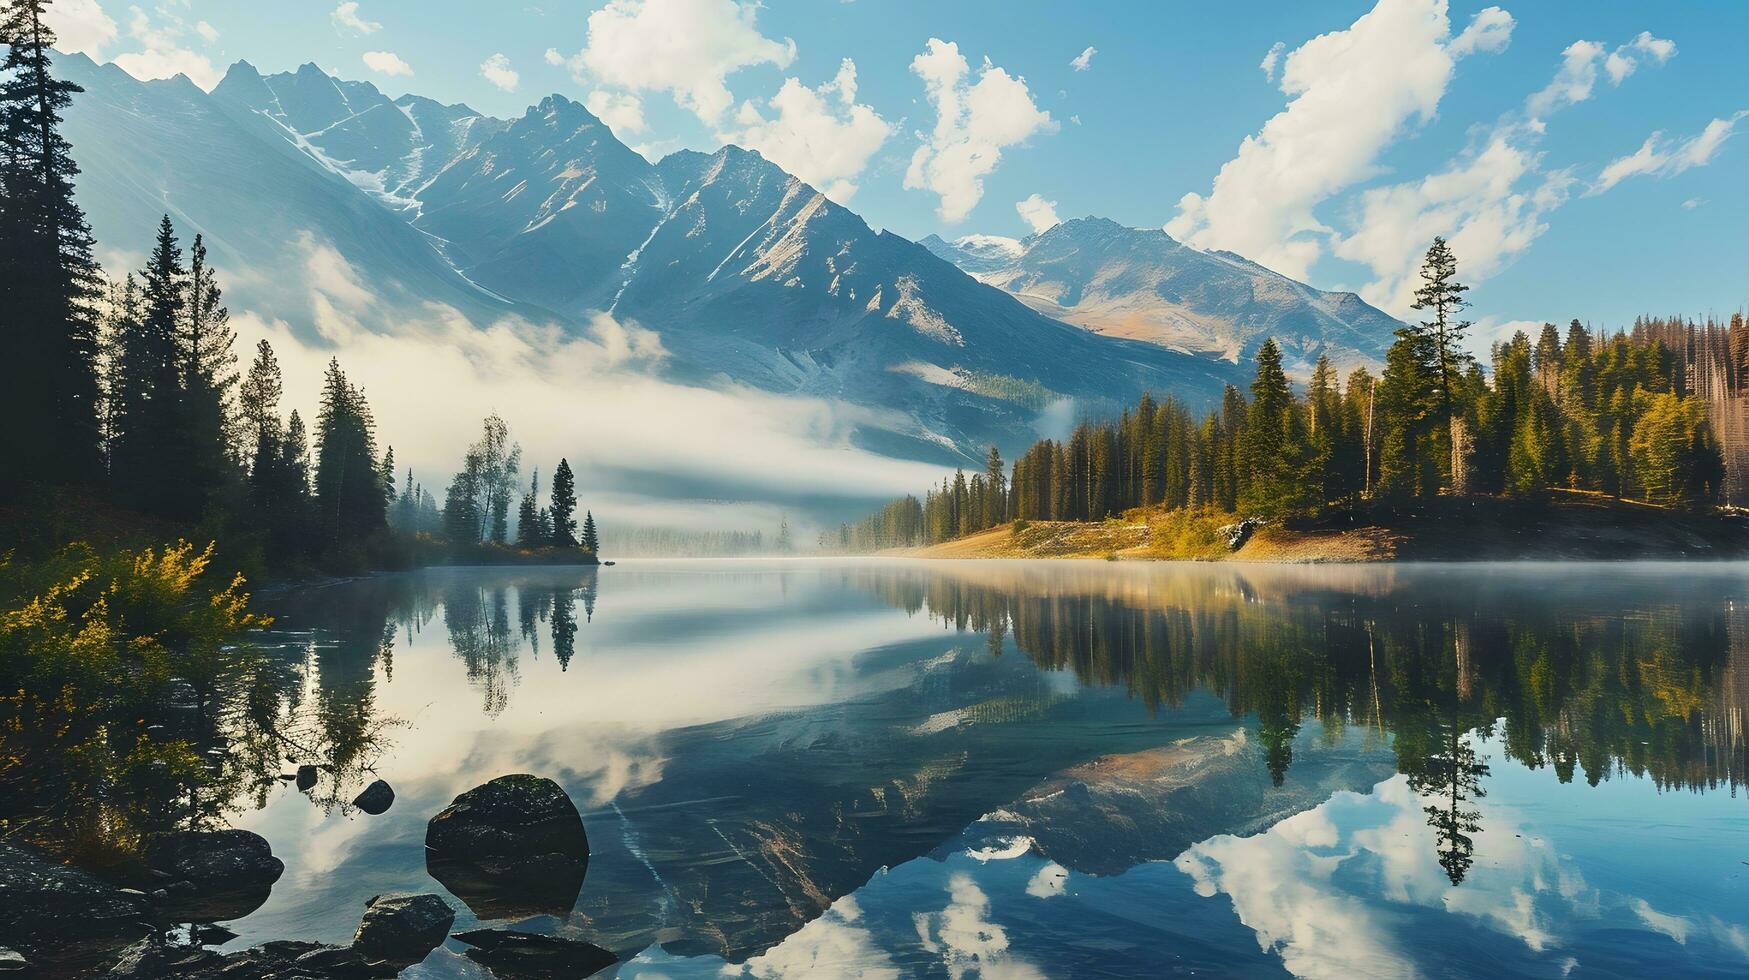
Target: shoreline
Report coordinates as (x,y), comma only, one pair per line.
(1568,527)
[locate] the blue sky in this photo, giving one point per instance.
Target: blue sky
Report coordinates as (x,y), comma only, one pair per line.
(1580,155)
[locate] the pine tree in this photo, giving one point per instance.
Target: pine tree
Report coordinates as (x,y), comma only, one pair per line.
(592,542)
(207,369)
(147,467)
(48,280)
(1442,295)
(528,515)
(564,505)
(258,412)
(350,504)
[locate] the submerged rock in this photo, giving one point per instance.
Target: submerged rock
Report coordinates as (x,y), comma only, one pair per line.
(50,912)
(400,929)
(530,956)
(376,798)
(214,875)
(509,848)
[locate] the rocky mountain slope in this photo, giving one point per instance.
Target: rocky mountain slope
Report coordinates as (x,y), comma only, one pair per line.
(751,276)
(1141,284)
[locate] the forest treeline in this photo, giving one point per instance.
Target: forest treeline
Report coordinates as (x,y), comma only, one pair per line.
(1579,410)
(127,394)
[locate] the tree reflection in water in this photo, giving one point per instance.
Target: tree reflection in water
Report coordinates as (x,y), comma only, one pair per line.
(1587,683)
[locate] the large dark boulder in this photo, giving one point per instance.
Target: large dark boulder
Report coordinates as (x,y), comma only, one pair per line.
(400,929)
(510,848)
(213,875)
(512,955)
(376,798)
(52,913)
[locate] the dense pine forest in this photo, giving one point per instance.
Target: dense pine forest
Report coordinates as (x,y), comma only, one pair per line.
(134,418)
(1627,415)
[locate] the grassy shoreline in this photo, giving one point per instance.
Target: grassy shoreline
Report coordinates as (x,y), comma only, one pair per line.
(1564,526)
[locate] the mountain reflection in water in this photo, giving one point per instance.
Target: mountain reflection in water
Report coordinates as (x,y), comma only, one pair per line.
(846,765)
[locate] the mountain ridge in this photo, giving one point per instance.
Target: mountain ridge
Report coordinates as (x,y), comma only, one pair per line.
(749,275)
(1142,284)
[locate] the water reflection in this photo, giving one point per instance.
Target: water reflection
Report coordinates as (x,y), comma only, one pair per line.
(1623,675)
(753,743)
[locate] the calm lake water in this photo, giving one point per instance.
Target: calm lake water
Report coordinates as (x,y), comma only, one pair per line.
(1013,769)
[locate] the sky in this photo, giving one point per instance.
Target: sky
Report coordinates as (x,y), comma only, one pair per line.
(1582,157)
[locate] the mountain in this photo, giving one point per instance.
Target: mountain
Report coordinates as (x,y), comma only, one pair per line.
(750,276)
(387,148)
(262,200)
(1141,284)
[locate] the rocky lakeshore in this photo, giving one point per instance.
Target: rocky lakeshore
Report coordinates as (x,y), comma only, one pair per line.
(510,848)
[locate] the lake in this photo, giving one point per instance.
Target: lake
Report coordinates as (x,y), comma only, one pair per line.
(1011,769)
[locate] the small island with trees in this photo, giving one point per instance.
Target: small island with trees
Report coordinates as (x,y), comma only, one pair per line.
(1581,445)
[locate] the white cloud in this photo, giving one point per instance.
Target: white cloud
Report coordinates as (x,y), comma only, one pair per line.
(1480,204)
(348,20)
(1573,83)
(1038,213)
(1661,157)
(1271,58)
(822,135)
(1049,881)
(431,374)
(1659,49)
(1084,60)
(1692,203)
(80,26)
(1577,78)
(207,32)
(1315,887)
(974,124)
(497,70)
(554,58)
(622,112)
(966,939)
(831,945)
(387,63)
(686,48)
(1352,93)
(1490,31)
(1495,199)
(163,54)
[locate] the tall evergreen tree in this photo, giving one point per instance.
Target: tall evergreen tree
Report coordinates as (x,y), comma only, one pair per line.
(146,466)
(528,515)
(48,280)
(259,427)
(350,504)
(592,542)
(1442,297)
(564,497)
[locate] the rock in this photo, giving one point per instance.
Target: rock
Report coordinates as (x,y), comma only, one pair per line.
(1237,534)
(214,875)
(512,847)
(50,912)
(513,955)
(144,959)
(400,929)
(11,960)
(269,961)
(306,778)
(376,798)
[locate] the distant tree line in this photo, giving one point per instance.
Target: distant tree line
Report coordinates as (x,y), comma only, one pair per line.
(1580,411)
